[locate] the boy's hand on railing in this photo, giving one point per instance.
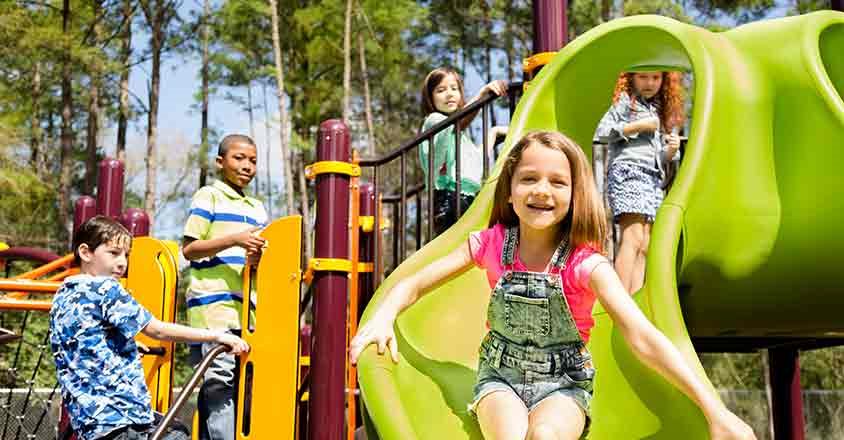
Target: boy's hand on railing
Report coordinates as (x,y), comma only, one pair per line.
(497,87)
(249,239)
(254,257)
(235,344)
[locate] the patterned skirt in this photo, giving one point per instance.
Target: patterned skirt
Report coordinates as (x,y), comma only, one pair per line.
(633,189)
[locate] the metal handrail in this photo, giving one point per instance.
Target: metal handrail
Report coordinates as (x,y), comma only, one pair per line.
(187,390)
(482,105)
(440,126)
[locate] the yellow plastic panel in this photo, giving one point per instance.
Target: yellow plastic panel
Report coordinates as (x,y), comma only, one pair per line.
(152,280)
(274,341)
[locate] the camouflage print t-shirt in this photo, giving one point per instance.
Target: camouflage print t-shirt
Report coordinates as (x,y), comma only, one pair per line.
(93,322)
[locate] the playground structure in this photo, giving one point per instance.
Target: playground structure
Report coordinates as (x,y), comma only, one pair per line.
(733,263)
(723,266)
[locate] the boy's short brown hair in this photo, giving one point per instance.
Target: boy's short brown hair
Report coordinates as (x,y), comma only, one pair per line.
(99,230)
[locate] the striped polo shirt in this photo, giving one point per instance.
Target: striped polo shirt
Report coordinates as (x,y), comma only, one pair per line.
(214,295)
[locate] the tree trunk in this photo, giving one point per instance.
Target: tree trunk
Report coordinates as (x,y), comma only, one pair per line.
(125,55)
(268,129)
(203,146)
(282,111)
(93,128)
(36,159)
(488,52)
(249,111)
(66,130)
(156,44)
(606,10)
(509,44)
(347,63)
(367,102)
(306,211)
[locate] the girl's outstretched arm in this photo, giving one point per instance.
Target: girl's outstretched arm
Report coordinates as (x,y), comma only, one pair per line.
(379,329)
(658,353)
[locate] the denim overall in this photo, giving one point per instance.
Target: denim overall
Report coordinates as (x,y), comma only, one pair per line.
(533,347)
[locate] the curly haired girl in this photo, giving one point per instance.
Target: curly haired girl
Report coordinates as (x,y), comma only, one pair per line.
(641,129)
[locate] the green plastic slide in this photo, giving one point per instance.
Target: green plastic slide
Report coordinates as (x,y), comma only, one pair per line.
(744,234)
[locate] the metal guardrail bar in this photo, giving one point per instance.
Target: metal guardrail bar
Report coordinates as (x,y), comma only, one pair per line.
(431,132)
(186,391)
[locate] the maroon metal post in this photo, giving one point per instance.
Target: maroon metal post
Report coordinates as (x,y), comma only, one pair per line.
(550,25)
(110,188)
(366,280)
(84,208)
(136,221)
(836,5)
(328,366)
(786,394)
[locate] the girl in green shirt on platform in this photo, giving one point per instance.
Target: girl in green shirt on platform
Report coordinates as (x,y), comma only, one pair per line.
(442,95)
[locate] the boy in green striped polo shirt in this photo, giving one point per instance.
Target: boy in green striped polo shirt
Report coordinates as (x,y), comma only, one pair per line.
(220,236)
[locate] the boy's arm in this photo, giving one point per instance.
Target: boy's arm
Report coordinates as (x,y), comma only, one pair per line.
(194,249)
(166,331)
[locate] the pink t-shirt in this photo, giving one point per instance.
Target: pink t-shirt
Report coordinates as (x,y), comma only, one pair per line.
(486,247)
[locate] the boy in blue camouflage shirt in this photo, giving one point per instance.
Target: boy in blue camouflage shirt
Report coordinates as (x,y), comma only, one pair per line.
(93,322)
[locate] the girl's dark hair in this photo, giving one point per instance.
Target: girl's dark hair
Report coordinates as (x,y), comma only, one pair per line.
(432,81)
(586,220)
(99,230)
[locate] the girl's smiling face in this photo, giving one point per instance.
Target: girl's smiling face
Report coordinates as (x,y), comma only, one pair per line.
(540,190)
(447,95)
(647,84)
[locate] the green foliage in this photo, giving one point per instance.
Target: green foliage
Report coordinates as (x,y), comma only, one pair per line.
(27,207)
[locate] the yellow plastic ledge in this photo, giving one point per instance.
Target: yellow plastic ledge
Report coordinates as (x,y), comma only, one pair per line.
(538,60)
(367,223)
(331,166)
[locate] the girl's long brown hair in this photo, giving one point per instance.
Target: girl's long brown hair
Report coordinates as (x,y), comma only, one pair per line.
(670,98)
(432,80)
(586,221)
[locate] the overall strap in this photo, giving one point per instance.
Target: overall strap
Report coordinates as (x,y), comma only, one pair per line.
(561,255)
(508,248)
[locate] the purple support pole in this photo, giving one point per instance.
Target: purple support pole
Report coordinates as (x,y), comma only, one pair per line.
(328,366)
(786,394)
(110,188)
(366,280)
(84,208)
(836,5)
(136,221)
(550,25)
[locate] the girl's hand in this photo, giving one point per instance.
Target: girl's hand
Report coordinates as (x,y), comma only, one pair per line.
(497,87)
(235,344)
(378,331)
(672,144)
(727,426)
(647,125)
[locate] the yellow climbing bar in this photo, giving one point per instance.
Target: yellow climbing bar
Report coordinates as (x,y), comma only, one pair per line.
(331,166)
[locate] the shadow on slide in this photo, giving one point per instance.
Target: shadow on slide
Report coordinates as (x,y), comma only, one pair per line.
(753,106)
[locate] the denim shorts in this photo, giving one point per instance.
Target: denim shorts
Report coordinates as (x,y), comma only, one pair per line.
(534,374)
(634,189)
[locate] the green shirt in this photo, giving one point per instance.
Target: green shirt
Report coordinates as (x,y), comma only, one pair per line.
(445,162)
